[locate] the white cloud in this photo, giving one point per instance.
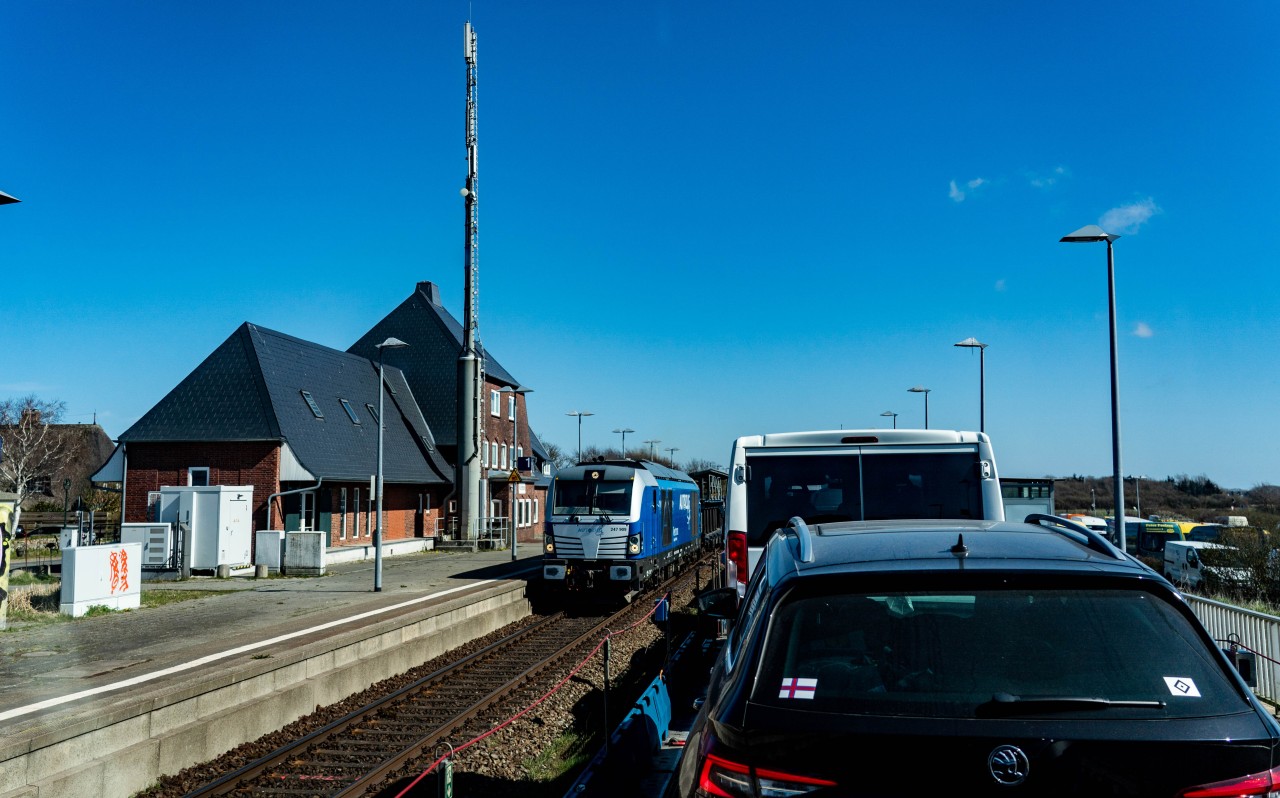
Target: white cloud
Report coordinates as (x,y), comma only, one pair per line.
(1143,330)
(1047,181)
(1126,219)
(1000,284)
(957,194)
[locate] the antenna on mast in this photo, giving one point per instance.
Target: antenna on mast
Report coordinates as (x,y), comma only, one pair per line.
(470,364)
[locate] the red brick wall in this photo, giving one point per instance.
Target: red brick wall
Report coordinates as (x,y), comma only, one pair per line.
(155,465)
(400,511)
(498,430)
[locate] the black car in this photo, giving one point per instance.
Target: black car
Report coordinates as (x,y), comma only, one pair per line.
(970,658)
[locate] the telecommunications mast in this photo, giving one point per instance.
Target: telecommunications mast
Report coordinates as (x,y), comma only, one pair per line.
(470,365)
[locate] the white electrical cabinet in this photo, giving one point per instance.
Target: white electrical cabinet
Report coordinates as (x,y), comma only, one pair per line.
(220,520)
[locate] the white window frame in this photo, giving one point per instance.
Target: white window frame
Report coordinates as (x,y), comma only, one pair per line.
(495,403)
(191,472)
(307,511)
(355,507)
(511,407)
(484,454)
(342,514)
(502,457)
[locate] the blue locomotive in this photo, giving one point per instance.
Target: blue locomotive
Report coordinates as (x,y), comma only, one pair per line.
(620,524)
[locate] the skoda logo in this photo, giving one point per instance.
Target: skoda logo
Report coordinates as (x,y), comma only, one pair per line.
(1008,765)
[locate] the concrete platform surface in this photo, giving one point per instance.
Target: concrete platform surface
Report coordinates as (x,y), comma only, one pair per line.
(173,685)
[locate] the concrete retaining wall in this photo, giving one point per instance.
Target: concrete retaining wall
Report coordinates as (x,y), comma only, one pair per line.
(118,747)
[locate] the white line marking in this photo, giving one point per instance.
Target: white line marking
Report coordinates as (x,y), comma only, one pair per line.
(146,677)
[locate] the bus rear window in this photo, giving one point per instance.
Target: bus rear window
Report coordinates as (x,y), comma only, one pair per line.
(823,488)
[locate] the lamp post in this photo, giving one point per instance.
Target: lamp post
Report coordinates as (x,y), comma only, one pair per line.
(390,343)
(651,445)
(1137,494)
(671,455)
(1092,234)
(7,199)
(515,459)
(624,431)
(579,414)
(924,391)
(66,500)
(973,343)
(895,417)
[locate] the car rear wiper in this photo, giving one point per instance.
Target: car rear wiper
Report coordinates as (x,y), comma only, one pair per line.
(1006,704)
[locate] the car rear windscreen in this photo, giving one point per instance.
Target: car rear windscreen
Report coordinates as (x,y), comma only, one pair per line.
(1019,652)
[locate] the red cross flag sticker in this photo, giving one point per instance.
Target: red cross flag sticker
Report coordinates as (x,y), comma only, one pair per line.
(798,688)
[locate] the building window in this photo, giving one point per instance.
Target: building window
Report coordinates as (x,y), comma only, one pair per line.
(484,454)
(511,408)
(198,476)
(351,413)
(368,521)
(307,519)
(502,455)
(356,510)
(342,514)
(495,403)
(311,403)
(373,412)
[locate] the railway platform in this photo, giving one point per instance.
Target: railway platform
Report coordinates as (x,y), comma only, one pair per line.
(104,705)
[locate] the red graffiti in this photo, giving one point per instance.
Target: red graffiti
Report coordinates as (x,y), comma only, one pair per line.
(119,571)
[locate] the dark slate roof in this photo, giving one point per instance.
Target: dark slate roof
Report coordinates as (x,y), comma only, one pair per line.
(431,359)
(250,388)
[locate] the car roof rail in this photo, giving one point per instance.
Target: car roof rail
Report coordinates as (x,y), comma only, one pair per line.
(1094,541)
(798,529)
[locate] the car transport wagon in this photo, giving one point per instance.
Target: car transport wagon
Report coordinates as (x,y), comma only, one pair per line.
(853,475)
(971,658)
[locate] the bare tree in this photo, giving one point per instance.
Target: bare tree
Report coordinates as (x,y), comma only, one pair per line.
(32,450)
(696,464)
(558,457)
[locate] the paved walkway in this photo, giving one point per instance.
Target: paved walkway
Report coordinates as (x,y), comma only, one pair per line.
(42,665)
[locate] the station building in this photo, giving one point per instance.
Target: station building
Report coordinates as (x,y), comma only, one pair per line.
(298,422)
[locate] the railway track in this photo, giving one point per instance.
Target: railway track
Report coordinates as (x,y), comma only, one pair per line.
(360,753)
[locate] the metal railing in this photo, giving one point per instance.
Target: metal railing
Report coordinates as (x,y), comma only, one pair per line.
(1254,632)
(494,532)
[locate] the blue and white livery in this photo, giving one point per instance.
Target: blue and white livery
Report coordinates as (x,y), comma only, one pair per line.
(623,524)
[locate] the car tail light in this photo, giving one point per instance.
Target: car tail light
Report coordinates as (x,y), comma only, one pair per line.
(736,544)
(723,778)
(1264,783)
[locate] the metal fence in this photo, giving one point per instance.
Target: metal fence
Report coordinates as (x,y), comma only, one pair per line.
(1253,632)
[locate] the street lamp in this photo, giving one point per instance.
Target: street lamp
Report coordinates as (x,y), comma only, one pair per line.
(66,495)
(7,199)
(1137,494)
(515,459)
(671,455)
(973,343)
(1092,234)
(924,391)
(895,417)
(624,431)
(390,343)
(579,414)
(651,444)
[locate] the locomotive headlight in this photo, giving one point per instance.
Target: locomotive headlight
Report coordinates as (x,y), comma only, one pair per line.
(549,543)
(633,544)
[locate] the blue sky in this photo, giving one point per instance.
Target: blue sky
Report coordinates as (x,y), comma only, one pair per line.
(698,220)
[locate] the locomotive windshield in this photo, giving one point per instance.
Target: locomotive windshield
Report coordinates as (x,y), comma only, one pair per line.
(601,497)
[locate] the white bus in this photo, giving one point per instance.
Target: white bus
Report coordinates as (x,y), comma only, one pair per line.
(853,475)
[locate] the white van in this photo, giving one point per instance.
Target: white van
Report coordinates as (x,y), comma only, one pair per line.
(853,475)
(1184,563)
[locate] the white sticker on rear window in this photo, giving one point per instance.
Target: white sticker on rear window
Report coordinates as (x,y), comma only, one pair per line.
(1183,686)
(798,688)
